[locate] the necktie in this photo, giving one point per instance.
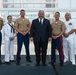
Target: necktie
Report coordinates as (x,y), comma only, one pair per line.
(40,21)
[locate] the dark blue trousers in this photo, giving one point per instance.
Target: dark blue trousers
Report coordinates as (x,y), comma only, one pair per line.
(57,43)
(20,40)
(0,44)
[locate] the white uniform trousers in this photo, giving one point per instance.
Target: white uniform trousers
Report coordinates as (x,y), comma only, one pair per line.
(9,47)
(69,49)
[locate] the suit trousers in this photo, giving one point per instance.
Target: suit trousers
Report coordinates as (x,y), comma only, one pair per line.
(39,45)
(0,44)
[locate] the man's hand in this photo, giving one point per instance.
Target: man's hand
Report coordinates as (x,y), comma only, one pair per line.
(55,37)
(23,33)
(49,39)
(31,38)
(11,39)
(66,35)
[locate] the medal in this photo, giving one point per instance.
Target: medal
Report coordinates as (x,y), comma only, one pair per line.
(56,22)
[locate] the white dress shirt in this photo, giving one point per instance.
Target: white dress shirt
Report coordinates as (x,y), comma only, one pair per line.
(41,20)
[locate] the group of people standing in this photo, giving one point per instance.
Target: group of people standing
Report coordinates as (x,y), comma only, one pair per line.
(61,34)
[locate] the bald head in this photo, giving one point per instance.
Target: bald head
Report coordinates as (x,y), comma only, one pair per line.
(67,16)
(41,14)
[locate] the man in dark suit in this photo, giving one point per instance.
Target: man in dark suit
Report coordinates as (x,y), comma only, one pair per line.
(40,33)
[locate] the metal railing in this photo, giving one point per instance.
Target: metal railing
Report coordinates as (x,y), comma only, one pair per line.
(29,4)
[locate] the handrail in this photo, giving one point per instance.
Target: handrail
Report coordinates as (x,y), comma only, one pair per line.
(36,9)
(28,2)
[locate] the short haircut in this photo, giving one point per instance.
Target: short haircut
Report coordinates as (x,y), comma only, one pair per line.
(22,10)
(41,10)
(57,12)
(68,13)
(9,16)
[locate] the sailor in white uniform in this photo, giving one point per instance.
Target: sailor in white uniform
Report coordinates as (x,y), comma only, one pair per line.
(69,39)
(9,35)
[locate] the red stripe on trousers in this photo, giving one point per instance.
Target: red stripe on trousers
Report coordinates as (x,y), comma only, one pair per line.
(61,46)
(17,45)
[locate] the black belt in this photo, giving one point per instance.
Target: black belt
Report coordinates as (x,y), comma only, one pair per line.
(55,35)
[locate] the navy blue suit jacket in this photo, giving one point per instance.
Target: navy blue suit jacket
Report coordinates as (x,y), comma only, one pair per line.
(41,32)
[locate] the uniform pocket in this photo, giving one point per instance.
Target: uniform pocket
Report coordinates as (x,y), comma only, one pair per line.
(20,22)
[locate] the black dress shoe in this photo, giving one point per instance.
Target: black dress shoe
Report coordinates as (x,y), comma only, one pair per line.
(0,62)
(29,60)
(61,64)
(43,64)
(37,64)
(7,63)
(17,63)
(12,60)
(49,62)
(53,64)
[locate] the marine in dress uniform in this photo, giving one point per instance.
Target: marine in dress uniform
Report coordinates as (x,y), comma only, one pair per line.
(58,28)
(9,35)
(22,26)
(1,25)
(69,39)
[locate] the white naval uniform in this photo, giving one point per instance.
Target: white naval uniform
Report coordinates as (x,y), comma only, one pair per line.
(69,42)
(9,45)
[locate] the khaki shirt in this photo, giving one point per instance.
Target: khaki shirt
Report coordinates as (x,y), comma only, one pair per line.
(57,27)
(1,23)
(22,24)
